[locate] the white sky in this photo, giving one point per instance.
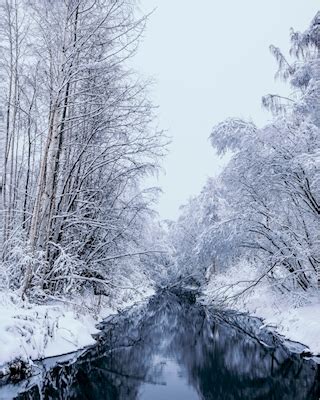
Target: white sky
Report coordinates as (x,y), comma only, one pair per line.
(211,60)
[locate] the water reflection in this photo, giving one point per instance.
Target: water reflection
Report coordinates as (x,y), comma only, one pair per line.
(174,349)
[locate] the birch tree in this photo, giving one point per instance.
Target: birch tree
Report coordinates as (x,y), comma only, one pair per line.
(87,140)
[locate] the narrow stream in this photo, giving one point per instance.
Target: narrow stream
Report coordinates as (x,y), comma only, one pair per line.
(172,348)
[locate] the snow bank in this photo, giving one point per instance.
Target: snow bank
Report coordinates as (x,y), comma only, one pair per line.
(37,331)
(295,315)
(31,332)
(298,323)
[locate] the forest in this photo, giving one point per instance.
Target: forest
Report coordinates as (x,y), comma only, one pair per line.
(79,136)
(263,209)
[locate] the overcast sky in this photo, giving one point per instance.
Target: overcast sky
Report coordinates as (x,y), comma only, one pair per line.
(211,60)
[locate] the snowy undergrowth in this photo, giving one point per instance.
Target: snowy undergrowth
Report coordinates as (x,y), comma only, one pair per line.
(32,332)
(295,315)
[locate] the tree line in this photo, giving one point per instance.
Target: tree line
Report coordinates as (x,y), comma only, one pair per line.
(78,135)
(264,208)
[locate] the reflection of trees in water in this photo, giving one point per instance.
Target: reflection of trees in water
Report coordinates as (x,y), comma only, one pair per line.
(219,358)
(229,364)
(228,357)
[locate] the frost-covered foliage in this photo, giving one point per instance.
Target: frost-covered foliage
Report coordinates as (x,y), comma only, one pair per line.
(302,73)
(196,236)
(77,138)
(265,205)
(232,135)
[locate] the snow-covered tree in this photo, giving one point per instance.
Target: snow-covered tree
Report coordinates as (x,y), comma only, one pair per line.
(265,206)
(79,138)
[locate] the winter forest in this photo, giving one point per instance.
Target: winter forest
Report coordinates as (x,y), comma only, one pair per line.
(79,235)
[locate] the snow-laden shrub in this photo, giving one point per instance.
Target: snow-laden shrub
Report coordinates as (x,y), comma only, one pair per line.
(246,283)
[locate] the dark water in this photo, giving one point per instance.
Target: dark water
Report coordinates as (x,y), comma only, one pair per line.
(174,349)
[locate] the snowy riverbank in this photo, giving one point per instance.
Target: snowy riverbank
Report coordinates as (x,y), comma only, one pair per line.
(296,316)
(300,324)
(32,332)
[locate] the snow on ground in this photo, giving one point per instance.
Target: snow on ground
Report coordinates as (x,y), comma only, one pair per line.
(31,332)
(38,331)
(300,323)
(295,315)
